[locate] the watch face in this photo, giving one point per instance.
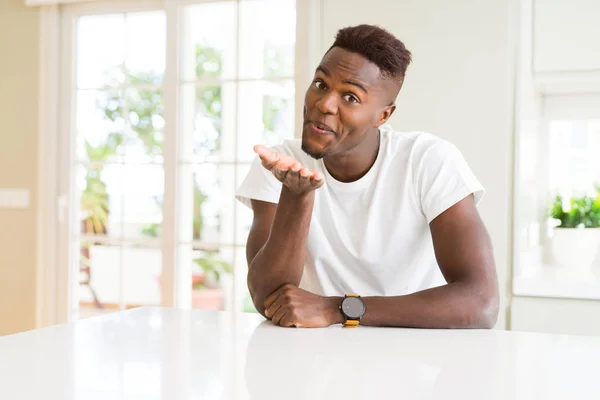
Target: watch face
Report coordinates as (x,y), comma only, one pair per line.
(353,307)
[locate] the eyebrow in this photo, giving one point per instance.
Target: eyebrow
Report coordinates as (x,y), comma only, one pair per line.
(325,71)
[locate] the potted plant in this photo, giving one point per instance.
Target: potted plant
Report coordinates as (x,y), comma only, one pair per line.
(207,293)
(575,237)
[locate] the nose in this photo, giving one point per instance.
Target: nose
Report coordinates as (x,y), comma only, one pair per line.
(328,103)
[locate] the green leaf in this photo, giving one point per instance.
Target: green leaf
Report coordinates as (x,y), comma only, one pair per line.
(212,264)
(584,212)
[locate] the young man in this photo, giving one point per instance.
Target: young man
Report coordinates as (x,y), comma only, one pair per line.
(357,223)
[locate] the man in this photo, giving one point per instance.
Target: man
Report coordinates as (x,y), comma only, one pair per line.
(357,223)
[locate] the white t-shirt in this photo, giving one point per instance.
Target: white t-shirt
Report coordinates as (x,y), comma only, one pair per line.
(372,236)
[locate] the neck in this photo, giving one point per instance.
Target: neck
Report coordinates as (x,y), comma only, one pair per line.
(353,164)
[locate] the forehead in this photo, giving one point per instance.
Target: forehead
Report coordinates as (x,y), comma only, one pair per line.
(347,65)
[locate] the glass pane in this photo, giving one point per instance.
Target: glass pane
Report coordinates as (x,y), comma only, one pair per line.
(266,115)
(573,157)
(208,123)
(98,275)
(267,47)
(146,47)
(100,126)
(209,41)
(142,200)
(145,116)
(100,51)
(206,192)
(100,191)
(243,299)
(142,268)
(243,214)
(211,278)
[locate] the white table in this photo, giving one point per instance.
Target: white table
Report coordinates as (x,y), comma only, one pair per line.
(156,353)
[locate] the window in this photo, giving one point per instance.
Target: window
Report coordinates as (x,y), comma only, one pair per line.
(165,107)
(558,156)
(574,144)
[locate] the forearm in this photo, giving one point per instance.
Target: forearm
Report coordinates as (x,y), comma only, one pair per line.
(455,305)
(281,260)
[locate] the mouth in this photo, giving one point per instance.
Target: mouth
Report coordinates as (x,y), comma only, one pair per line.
(321,129)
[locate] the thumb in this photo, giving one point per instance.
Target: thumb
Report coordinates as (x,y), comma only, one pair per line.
(266,155)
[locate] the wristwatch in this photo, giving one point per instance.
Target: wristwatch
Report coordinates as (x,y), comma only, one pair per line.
(352,308)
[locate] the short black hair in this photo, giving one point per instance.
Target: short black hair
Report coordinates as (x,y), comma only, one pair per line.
(378,46)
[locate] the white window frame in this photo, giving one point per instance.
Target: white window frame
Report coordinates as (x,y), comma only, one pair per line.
(56,67)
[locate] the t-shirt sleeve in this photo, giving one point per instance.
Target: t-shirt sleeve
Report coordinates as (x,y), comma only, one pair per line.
(259,184)
(443,179)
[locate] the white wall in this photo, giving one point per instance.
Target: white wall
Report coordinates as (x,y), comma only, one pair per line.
(18,163)
(460,87)
(567,35)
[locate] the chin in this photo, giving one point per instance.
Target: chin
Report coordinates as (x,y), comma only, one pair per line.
(317,146)
(317,155)
(314,150)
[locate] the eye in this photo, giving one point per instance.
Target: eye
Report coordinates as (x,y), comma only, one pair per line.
(351,98)
(320,85)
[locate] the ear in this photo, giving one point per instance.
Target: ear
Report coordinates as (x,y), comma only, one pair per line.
(385,114)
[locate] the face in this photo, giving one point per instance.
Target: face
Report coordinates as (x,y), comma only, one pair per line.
(347,100)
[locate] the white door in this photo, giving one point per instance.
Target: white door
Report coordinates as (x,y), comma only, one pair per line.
(161,103)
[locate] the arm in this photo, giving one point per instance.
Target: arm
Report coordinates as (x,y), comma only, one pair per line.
(468,300)
(275,253)
(276,243)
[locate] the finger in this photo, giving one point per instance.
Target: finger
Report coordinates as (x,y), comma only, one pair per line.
(266,155)
(287,163)
(281,312)
(309,181)
(305,172)
(280,174)
(296,167)
(272,297)
(317,184)
(272,159)
(276,305)
(293,179)
(317,176)
(288,320)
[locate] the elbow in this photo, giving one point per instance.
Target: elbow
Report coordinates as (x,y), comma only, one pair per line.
(258,298)
(259,304)
(259,291)
(484,310)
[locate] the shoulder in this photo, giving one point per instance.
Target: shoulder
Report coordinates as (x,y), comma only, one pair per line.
(418,145)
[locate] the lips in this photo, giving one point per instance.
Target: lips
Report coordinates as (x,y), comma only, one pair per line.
(322,127)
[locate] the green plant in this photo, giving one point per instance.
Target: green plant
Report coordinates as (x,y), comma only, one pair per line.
(94,198)
(94,204)
(583,212)
(212,267)
(141,108)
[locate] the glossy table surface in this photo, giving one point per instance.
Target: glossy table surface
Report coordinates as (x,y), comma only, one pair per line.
(159,353)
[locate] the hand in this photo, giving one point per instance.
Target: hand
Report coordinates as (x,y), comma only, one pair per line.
(289,171)
(291,306)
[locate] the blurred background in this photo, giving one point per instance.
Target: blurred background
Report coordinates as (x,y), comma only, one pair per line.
(127,126)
